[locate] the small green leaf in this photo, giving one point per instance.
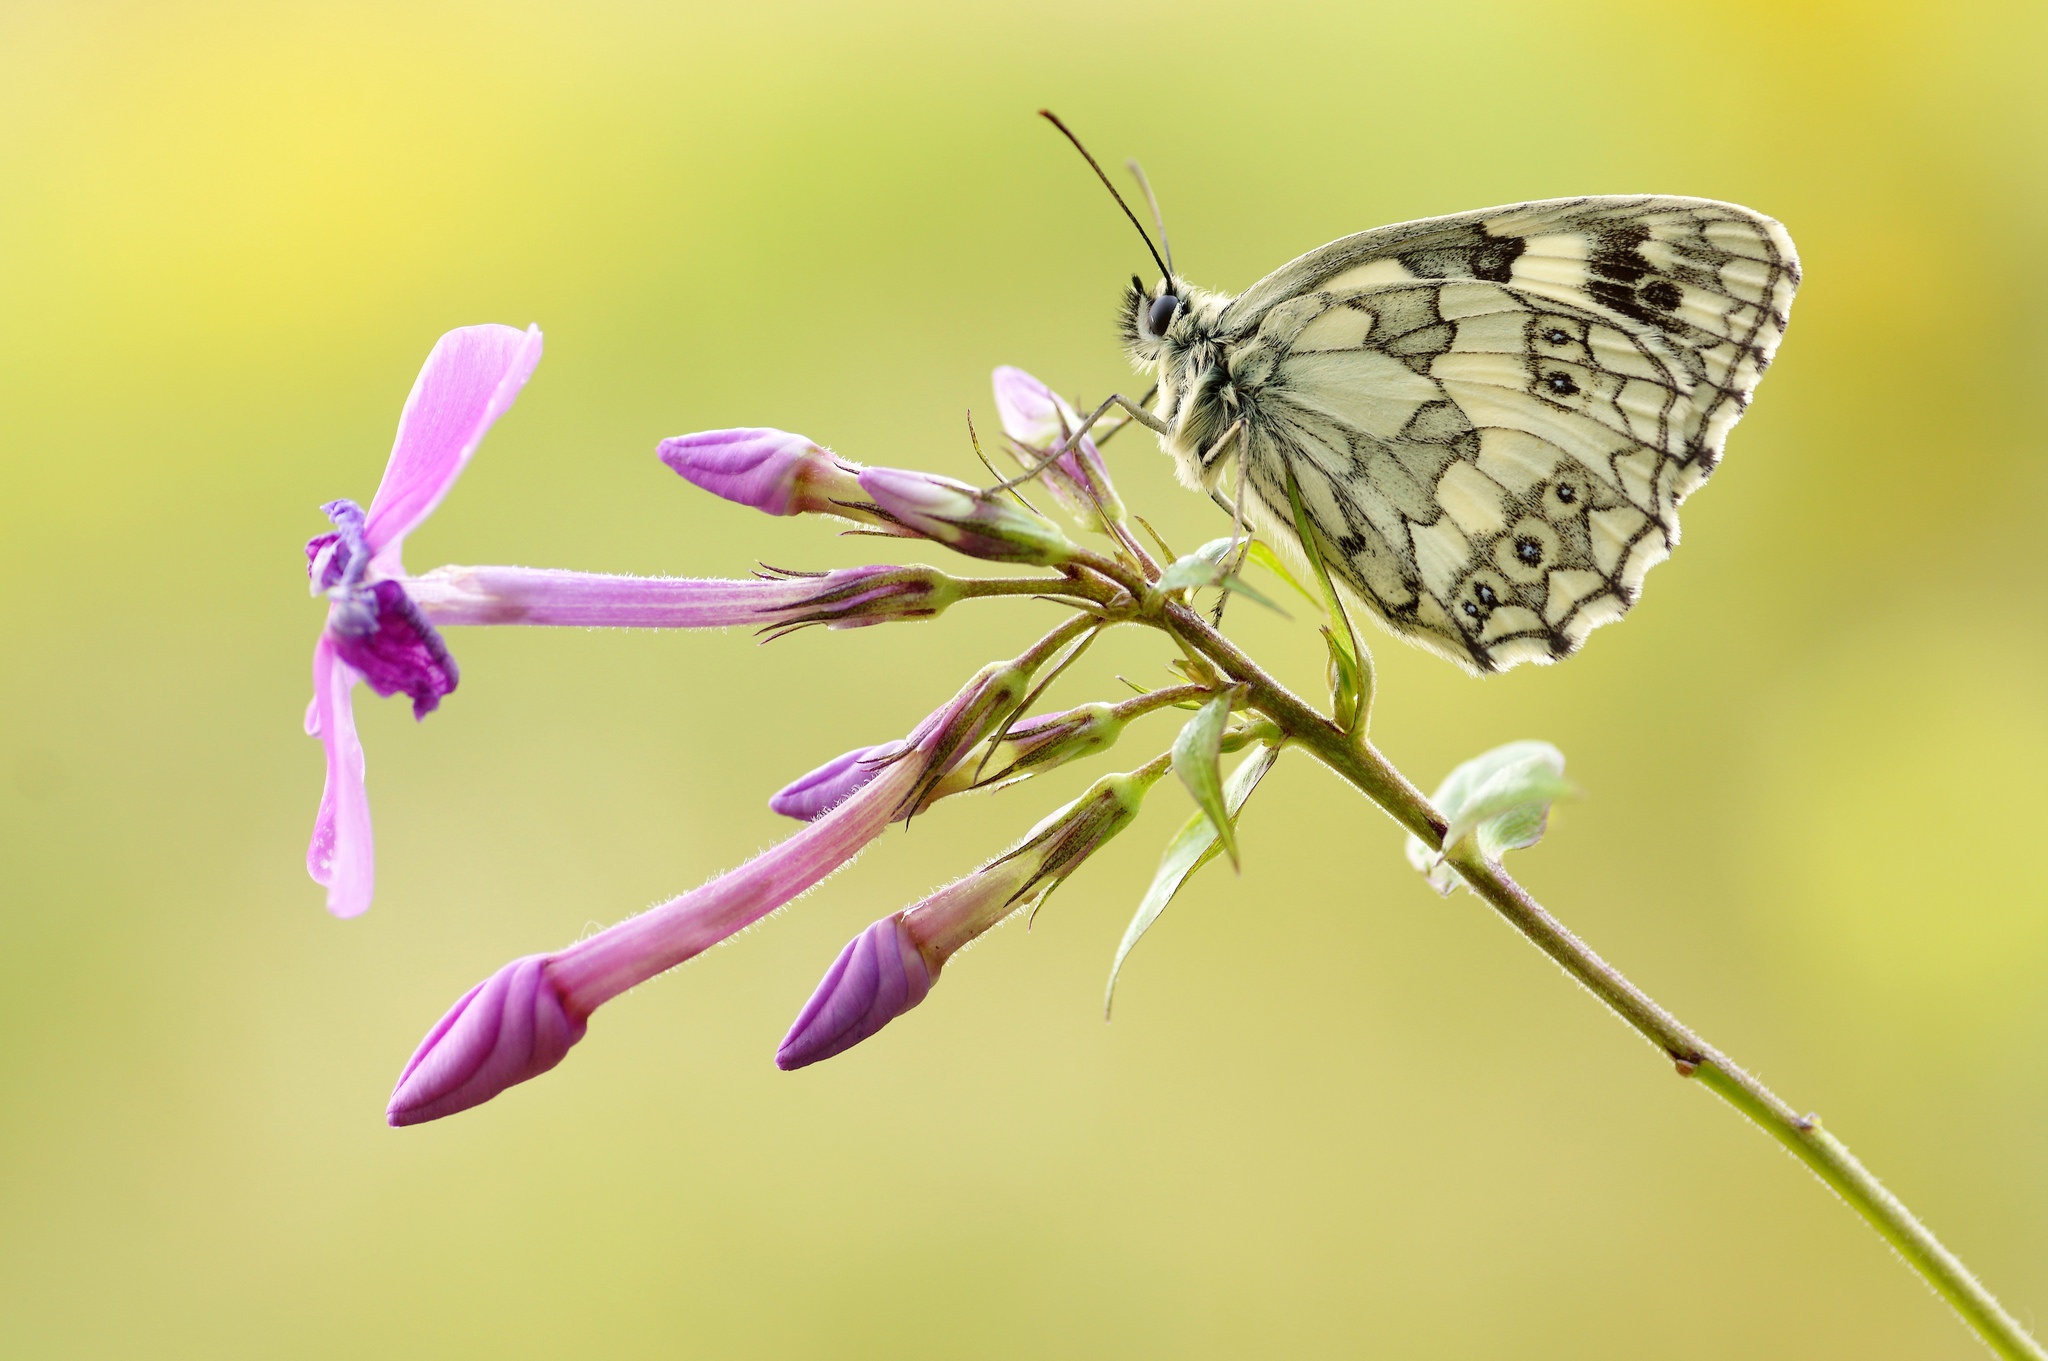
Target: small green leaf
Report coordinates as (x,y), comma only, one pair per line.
(1194,846)
(1344,686)
(1501,798)
(1195,754)
(1204,567)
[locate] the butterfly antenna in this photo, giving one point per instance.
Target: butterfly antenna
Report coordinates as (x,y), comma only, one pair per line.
(1152,201)
(1049,116)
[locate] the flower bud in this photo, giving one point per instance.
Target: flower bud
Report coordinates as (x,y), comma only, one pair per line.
(1039,421)
(889,968)
(966,519)
(977,712)
(512,1026)
(877,977)
(824,788)
(770,470)
(1048,741)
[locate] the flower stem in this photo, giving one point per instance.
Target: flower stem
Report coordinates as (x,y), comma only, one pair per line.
(1357,762)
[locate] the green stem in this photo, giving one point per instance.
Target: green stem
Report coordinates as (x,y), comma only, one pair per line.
(1372,774)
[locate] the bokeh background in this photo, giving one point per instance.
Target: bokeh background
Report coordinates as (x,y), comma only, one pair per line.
(1335,1115)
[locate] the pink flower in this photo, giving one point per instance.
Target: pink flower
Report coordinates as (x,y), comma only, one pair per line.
(374,631)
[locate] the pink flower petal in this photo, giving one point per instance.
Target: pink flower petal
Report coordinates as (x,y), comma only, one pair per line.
(341,855)
(467,382)
(1031,412)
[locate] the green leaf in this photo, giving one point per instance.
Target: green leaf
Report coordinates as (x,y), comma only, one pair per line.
(1333,605)
(1344,684)
(1501,798)
(1194,846)
(1204,567)
(1265,557)
(1195,755)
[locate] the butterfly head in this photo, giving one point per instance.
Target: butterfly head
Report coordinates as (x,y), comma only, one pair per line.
(1149,314)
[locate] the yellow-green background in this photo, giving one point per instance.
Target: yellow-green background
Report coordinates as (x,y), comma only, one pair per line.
(1335,1116)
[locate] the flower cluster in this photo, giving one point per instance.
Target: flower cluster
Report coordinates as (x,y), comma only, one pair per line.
(383,628)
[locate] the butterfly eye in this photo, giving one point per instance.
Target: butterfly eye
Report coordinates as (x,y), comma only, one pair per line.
(1163,310)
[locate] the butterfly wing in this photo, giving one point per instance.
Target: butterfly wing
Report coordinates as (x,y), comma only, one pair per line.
(1492,418)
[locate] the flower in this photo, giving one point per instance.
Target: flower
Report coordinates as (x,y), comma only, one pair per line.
(1038,420)
(888,968)
(521,1021)
(375,632)
(965,518)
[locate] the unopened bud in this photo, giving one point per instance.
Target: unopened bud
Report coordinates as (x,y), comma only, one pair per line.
(877,977)
(1039,421)
(512,1026)
(824,788)
(1049,741)
(966,519)
(770,470)
(889,968)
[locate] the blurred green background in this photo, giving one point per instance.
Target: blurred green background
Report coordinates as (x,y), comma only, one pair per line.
(1335,1115)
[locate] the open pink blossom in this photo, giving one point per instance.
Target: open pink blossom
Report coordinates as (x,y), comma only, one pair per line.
(374,631)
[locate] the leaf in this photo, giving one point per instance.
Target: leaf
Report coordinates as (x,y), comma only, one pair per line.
(1501,797)
(1344,686)
(1195,754)
(1204,567)
(1265,557)
(1192,847)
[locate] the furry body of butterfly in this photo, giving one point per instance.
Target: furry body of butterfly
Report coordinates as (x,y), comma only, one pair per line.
(1490,419)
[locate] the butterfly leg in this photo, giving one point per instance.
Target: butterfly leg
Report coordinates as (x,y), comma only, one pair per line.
(1066,446)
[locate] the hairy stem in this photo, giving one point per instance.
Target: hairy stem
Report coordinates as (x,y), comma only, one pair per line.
(1357,762)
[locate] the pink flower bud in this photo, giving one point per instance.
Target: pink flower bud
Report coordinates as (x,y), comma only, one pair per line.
(877,977)
(512,1026)
(770,470)
(1037,745)
(965,519)
(1039,421)
(891,966)
(826,787)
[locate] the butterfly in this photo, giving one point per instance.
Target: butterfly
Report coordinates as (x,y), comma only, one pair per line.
(1488,419)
